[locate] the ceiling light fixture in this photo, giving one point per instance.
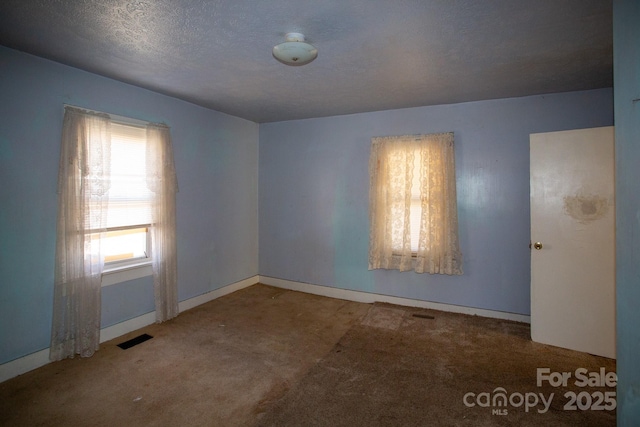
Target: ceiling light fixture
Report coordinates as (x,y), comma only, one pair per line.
(295,51)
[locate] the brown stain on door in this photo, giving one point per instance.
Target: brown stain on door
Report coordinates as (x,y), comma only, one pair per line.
(586,208)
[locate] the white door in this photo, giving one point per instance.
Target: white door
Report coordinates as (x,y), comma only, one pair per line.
(573,240)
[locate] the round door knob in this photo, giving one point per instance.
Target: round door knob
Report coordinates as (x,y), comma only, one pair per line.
(537,245)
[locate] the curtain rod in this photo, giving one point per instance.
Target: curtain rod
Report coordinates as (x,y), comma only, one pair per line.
(114,117)
(415,135)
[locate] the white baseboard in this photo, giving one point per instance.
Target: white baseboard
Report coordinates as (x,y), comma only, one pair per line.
(24,364)
(210,296)
(367,297)
(119,329)
(40,358)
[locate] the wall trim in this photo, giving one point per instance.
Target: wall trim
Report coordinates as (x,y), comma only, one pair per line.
(369,298)
(217,293)
(24,364)
(40,358)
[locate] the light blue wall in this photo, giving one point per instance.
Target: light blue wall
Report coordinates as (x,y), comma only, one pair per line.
(626,62)
(313,194)
(314,190)
(216,159)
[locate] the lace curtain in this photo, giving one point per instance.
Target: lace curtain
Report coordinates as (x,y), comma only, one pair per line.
(414,175)
(83,186)
(82,207)
(161,179)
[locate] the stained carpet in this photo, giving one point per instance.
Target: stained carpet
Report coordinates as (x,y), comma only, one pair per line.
(264,356)
(412,367)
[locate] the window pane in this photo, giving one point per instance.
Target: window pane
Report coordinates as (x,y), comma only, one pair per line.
(129,197)
(125,244)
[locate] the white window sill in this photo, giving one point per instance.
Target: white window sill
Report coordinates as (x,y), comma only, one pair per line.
(119,274)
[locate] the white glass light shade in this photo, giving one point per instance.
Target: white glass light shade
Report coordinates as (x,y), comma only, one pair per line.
(295,51)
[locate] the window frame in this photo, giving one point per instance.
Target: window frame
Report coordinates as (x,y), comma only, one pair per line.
(415,200)
(393,204)
(119,271)
(116,263)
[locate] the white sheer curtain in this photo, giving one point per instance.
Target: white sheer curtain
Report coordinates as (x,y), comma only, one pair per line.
(161,179)
(83,187)
(413,183)
(82,207)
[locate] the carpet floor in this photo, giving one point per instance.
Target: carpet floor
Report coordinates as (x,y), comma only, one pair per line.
(264,356)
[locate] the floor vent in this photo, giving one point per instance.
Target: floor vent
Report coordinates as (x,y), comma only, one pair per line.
(423,316)
(134,341)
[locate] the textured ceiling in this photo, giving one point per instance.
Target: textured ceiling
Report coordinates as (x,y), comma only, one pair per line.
(373,55)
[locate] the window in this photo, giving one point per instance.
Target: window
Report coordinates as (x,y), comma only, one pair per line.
(130,204)
(413,213)
(116,204)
